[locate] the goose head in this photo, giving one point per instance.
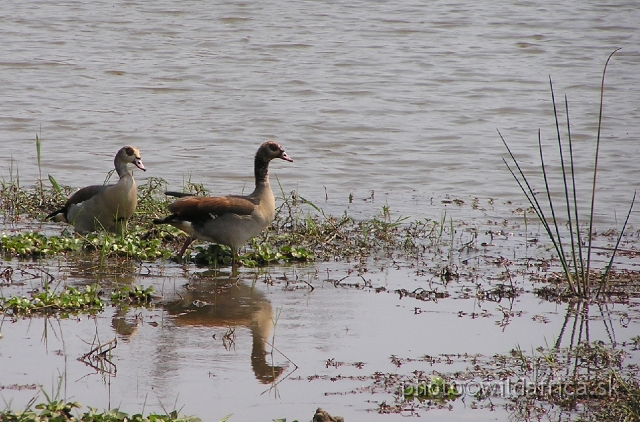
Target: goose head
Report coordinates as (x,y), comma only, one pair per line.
(270,150)
(128,155)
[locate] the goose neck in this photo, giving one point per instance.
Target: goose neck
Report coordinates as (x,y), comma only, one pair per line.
(261,169)
(121,168)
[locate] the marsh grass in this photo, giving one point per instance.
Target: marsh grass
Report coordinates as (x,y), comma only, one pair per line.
(18,204)
(302,232)
(587,379)
(575,252)
(302,228)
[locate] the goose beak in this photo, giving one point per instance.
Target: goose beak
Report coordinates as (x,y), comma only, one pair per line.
(138,163)
(285,157)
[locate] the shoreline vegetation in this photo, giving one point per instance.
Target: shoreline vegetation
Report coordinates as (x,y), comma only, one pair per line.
(303,233)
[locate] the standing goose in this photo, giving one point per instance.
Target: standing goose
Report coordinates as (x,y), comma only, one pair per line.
(228,220)
(104,206)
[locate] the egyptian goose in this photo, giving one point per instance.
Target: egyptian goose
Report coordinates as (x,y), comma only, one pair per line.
(104,206)
(228,220)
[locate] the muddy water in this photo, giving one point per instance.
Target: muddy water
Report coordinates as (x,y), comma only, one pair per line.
(180,354)
(401,99)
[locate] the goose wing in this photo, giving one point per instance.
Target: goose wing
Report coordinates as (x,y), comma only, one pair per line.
(198,207)
(85,194)
(78,197)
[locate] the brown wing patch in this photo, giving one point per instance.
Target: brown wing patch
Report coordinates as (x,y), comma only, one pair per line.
(198,206)
(83,194)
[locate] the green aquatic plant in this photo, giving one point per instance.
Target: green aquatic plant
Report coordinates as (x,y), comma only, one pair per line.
(134,244)
(55,409)
(260,254)
(213,255)
(48,301)
(132,295)
(58,411)
(431,388)
(576,260)
(36,244)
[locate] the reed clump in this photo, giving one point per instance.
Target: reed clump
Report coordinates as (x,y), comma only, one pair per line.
(573,246)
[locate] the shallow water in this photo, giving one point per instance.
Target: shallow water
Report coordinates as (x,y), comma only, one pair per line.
(394,102)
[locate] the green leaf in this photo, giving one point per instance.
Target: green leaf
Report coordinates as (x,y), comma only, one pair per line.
(55,184)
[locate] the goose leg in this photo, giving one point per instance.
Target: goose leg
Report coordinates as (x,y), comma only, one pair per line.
(186,244)
(234,260)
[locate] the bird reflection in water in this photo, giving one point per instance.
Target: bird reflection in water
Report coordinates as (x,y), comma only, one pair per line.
(226,302)
(126,327)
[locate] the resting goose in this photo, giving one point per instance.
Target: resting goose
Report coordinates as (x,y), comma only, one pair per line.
(104,206)
(228,220)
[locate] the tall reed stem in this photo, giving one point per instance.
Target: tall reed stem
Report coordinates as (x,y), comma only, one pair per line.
(595,167)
